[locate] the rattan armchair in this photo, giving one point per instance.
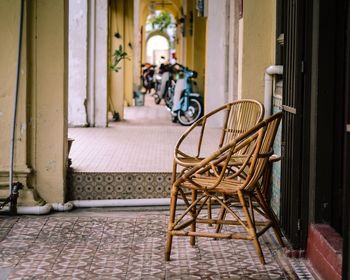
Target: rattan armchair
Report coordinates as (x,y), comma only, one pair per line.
(214,177)
(236,117)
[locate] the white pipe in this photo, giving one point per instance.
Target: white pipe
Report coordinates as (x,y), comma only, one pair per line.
(62,207)
(31,210)
(123,202)
(269,72)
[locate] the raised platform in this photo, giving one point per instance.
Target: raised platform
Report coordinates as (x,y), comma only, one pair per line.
(119,185)
(130,159)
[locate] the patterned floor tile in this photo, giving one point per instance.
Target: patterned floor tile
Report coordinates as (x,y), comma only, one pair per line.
(120,247)
(118,185)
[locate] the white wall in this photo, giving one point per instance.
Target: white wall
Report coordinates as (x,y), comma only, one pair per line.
(101,65)
(77,81)
(233,49)
(137,45)
(216,76)
(87,83)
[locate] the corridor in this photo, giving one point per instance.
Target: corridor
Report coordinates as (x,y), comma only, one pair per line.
(128,160)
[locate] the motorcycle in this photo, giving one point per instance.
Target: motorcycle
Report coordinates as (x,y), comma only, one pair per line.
(187,105)
(163,81)
(147,77)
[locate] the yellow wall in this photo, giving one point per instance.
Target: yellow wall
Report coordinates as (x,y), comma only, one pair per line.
(189,38)
(121,83)
(259,24)
(173,9)
(199,50)
(116,81)
(196,43)
(9,22)
(129,43)
(48,97)
(193,53)
(41,129)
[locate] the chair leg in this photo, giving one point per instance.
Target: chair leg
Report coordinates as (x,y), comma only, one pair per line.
(173,175)
(172,212)
(193,225)
(251,228)
(209,210)
(266,208)
(222,215)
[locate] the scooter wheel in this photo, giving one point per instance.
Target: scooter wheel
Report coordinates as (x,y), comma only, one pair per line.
(174,118)
(157,99)
(192,114)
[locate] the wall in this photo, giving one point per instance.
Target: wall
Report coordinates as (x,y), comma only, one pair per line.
(199,50)
(121,83)
(137,46)
(98,65)
(258,45)
(9,29)
(41,128)
(216,57)
(47,88)
(88,63)
(233,49)
(189,37)
(116,81)
(77,82)
(173,7)
(129,43)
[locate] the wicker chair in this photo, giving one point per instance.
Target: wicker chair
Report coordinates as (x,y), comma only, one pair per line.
(237,118)
(214,177)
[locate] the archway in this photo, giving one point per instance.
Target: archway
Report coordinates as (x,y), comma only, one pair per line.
(157,46)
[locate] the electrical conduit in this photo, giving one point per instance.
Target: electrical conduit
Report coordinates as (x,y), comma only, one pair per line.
(16,94)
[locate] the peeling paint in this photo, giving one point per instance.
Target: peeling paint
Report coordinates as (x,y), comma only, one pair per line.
(23,128)
(51,165)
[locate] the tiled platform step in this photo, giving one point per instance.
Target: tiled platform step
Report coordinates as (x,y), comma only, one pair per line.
(128,185)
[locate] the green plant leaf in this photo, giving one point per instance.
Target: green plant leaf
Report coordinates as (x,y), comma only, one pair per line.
(118,55)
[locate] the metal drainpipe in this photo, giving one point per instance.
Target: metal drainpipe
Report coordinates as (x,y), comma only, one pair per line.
(14,117)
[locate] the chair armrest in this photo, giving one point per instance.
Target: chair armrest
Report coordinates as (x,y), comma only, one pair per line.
(274,158)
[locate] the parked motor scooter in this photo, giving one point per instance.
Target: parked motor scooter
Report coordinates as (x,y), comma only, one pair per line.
(187,104)
(163,81)
(147,77)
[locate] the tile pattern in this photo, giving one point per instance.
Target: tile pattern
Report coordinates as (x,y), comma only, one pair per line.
(102,185)
(127,246)
(301,269)
(143,142)
(276,169)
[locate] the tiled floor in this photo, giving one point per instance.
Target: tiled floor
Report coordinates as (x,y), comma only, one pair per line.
(110,244)
(131,158)
(143,142)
